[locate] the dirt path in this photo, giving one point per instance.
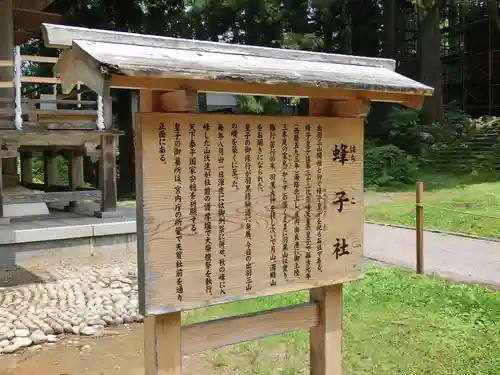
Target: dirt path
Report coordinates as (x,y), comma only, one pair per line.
(118,353)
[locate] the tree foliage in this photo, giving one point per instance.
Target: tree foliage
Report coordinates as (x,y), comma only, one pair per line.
(361,27)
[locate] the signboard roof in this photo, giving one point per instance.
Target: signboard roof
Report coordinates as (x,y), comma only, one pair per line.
(103,55)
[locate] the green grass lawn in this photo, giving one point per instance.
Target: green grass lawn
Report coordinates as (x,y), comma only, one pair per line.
(396,323)
(449,204)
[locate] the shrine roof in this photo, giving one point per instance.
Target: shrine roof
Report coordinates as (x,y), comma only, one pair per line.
(32,4)
(99,55)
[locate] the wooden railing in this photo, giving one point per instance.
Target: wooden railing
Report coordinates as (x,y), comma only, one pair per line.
(40,116)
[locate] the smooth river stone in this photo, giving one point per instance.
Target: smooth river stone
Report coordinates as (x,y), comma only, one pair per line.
(22,342)
(47,329)
(4,343)
(4,330)
(51,338)
(127,319)
(126,280)
(21,333)
(87,331)
(38,337)
(57,328)
(19,325)
(109,320)
(126,289)
(9,349)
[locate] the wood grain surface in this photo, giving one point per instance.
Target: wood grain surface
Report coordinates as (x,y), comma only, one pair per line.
(217,229)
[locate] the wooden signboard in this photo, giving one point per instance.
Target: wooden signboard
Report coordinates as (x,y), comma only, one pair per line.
(231,207)
(235,207)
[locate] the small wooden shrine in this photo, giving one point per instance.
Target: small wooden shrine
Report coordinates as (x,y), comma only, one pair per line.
(37,121)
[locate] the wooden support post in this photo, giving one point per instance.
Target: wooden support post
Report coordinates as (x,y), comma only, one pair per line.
(50,173)
(107,177)
(6,49)
(75,171)
(3,220)
(162,344)
(26,168)
(107,165)
(325,340)
(420,227)
(162,333)
(79,180)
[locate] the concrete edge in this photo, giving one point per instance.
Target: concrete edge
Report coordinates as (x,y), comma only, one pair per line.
(67,232)
(438,231)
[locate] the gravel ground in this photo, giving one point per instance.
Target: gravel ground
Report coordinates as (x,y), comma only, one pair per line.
(73,301)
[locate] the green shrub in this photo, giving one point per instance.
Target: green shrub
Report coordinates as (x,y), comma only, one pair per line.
(388,166)
(403,130)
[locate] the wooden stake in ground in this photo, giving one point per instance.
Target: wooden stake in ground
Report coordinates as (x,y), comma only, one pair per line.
(419,206)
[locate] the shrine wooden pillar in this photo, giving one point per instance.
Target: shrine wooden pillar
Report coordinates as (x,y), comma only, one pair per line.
(107,163)
(6,75)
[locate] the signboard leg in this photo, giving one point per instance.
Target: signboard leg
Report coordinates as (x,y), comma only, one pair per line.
(162,333)
(162,344)
(325,340)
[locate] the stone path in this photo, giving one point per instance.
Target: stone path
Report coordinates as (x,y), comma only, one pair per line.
(459,258)
(83,296)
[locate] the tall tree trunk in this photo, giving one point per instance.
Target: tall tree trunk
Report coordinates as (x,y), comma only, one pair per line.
(379,111)
(328,23)
(430,64)
(389,29)
(346,38)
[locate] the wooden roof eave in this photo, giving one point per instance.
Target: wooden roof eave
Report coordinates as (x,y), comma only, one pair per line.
(62,36)
(101,65)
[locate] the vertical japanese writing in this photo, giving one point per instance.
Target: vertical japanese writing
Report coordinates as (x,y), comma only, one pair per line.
(207,172)
(340,248)
(248,209)
(284,198)
(272,202)
(352,151)
(177,211)
(296,191)
(341,154)
(308,200)
(260,160)
(193,211)
(341,198)
(234,150)
(319,195)
(221,210)
(162,142)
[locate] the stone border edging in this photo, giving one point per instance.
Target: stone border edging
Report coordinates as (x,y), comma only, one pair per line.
(65,232)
